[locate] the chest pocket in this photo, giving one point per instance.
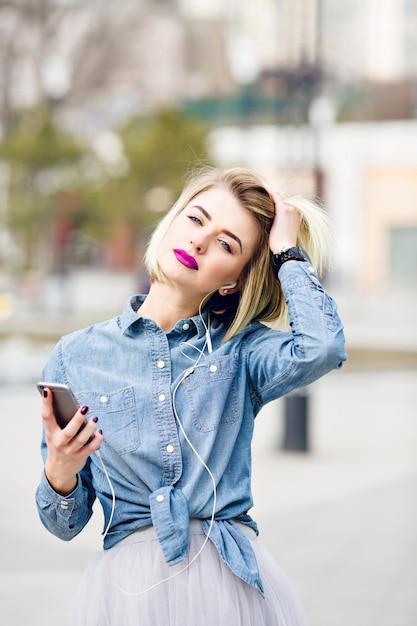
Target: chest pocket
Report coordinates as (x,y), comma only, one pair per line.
(116,411)
(212,393)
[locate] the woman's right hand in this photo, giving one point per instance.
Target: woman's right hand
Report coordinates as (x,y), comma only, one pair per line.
(68,449)
(286,225)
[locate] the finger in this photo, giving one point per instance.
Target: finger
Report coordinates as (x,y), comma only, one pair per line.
(95,443)
(275,190)
(284,208)
(48,410)
(279,199)
(76,423)
(86,443)
(87,431)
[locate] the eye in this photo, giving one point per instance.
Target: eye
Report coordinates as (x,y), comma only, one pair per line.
(226,246)
(195,219)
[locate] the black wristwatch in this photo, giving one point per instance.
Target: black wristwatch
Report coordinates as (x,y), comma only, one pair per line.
(288,254)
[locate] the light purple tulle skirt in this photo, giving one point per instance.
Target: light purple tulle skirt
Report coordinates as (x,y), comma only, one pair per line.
(205,594)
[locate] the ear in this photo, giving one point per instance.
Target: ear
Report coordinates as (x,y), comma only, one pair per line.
(227,290)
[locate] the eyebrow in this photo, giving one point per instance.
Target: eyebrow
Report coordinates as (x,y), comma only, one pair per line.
(226,232)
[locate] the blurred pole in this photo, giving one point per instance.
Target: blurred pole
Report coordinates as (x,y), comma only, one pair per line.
(296,423)
(296,412)
(296,404)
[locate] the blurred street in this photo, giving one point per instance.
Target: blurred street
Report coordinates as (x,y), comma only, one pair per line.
(341,520)
(105,109)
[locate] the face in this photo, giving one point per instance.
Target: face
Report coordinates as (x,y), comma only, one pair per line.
(209,243)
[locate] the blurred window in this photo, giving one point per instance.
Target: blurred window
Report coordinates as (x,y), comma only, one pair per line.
(403,256)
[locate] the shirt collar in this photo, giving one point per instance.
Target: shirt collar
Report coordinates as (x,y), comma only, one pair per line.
(129,317)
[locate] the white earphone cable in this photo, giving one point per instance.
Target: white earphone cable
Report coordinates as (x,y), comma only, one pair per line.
(195,452)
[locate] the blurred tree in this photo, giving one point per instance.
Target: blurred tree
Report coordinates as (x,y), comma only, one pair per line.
(48,52)
(63,196)
(157,153)
(162,147)
(42,162)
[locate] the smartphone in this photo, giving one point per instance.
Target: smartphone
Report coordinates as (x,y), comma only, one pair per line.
(63,400)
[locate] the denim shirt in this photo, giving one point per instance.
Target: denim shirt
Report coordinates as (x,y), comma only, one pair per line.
(148,387)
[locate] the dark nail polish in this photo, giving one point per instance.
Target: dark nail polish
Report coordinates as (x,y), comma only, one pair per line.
(95,419)
(45,393)
(84,410)
(100,431)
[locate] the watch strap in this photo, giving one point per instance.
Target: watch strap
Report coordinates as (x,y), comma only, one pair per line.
(289,254)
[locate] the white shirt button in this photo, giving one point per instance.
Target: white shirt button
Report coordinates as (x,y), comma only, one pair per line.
(160,364)
(213,368)
(162,397)
(185,326)
(103,399)
(170,448)
(64,504)
(160,498)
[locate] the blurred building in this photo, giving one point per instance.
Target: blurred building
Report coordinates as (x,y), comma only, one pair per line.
(370,190)
(99,62)
(255,71)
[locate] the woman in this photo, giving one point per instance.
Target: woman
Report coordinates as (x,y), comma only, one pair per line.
(176,381)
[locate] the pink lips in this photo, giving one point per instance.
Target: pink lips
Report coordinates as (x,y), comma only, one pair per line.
(186,259)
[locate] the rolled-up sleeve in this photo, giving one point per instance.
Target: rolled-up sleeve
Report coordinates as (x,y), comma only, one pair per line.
(282,361)
(65,516)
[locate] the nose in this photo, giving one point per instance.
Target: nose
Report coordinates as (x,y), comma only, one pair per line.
(198,244)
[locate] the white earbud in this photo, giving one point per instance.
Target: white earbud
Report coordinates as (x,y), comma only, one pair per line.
(228,286)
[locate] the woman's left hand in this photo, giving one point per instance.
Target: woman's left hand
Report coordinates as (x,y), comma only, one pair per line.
(286,224)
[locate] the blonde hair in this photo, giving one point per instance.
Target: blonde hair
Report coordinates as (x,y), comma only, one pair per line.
(261,296)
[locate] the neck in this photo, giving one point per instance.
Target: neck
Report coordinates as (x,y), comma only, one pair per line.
(165,305)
